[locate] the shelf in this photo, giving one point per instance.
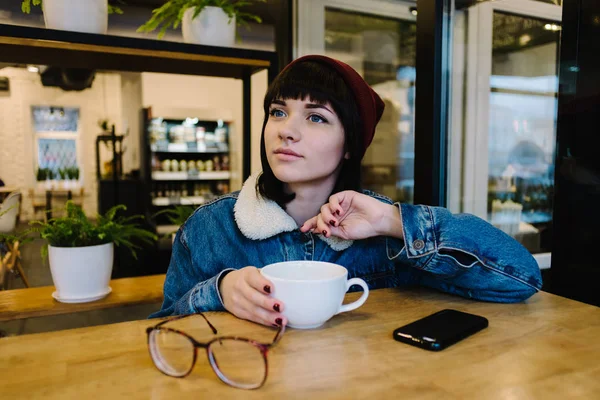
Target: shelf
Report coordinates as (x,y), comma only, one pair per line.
(192,152)
(183,201)
(166,229)
(184,176)
(27,45)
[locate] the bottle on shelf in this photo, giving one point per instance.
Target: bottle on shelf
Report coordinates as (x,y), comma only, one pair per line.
(225,163)
(217,163)
(183,165)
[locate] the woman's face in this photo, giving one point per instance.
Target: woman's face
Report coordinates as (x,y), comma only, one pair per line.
(304,141)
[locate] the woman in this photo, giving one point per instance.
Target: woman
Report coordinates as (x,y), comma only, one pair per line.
(320,117)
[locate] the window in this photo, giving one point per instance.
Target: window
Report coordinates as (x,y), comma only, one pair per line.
(56,140)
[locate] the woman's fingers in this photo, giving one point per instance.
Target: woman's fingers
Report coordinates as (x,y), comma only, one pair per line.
(332,213)
(261,300)
(335,204)
(256,280)
(327,216)
(257,293)
(323,227)
(262,316)
(309,225)
(246,295)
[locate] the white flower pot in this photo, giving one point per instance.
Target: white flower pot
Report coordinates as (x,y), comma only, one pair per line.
(90,16)
(211,27)
(81,274)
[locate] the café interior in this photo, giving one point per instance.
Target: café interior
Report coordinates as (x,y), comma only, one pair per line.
(489,110)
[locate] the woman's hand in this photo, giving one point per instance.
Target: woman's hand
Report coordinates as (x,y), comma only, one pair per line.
(351,215)
(245,294)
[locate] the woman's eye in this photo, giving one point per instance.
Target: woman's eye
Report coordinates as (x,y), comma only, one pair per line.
(277,113)
(317,119)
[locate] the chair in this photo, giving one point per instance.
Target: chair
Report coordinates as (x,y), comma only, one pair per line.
(3,267)
(12,263)
(38,203)
(9,212)
(9,215)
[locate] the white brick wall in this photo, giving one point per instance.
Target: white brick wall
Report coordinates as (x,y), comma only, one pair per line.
(17,144)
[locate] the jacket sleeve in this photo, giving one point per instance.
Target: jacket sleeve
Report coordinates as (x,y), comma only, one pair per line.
(182,292)
(465,255)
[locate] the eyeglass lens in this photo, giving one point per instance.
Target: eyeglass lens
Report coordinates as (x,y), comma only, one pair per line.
(172,352)
(238,362)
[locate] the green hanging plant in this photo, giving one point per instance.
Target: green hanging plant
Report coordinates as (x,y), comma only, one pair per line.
(171,13)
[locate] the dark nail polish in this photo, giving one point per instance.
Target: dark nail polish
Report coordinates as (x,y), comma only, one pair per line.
(332,223)
(267,288)
(279,321)
(337,212)
(324,233)
(276,307)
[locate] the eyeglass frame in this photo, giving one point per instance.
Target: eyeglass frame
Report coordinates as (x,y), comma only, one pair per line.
(263,347)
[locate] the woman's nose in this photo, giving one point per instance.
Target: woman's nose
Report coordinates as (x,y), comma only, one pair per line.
(289,131)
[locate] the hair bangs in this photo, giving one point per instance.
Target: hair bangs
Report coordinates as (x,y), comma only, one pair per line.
(317,82)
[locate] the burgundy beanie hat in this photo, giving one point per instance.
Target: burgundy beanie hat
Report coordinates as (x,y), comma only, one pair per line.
(369,104)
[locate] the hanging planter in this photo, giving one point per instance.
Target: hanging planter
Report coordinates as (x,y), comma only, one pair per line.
(89,16)
(206,22)
(211,27)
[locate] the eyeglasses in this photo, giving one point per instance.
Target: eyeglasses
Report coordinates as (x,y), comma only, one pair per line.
(237,361)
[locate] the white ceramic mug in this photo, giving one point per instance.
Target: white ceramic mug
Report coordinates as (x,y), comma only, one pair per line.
(312,291)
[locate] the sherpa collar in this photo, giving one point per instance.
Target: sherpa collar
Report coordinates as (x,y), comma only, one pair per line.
(259,218)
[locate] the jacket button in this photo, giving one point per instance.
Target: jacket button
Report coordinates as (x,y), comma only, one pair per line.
(418,244)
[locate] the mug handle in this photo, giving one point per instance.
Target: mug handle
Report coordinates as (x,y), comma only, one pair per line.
(354,305)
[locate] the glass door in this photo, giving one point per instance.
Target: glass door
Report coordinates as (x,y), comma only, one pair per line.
(510,109)
(378,39)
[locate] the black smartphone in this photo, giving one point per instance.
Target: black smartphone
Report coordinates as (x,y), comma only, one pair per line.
(440,330)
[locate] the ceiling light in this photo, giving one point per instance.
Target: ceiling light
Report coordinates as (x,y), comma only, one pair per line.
(33,68)
(548,27)
(524,39)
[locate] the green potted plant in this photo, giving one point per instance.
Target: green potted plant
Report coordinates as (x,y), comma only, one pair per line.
(208,22)
(40,175)
(81,250)
(63,177)
(176,216)
(73,173)
(50,179)
(90,16)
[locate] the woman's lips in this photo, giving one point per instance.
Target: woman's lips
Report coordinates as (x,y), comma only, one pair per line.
(287,154)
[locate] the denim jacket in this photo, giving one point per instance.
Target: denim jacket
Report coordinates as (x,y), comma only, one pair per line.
(459,254)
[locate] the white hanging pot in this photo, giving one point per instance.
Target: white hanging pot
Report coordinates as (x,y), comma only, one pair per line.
(211,27)
(81,274)
(90,16)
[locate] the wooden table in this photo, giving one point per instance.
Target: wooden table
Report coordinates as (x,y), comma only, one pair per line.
(546,348)
(38,301)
